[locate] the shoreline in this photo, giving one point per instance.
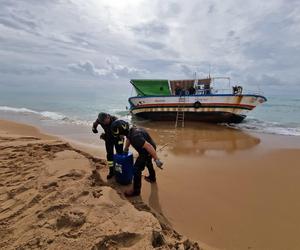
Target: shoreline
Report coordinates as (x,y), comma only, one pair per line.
(227,175)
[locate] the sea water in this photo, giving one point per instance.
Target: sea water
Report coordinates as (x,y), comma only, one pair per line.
(279,115)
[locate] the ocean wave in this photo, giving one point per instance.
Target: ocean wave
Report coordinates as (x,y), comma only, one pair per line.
(17,110)
(45,114)
(119,112)
(53,115)
(50,115)
(250,124)
(256,125)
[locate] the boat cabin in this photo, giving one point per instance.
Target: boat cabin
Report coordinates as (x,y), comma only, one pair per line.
(172,87)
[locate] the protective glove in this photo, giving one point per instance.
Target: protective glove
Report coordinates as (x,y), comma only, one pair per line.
(103,136)
(159,163)
(95,131)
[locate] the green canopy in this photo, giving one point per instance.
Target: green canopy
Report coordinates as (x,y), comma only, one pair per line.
(151,87)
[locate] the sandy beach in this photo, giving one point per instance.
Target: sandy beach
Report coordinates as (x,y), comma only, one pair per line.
(52,197)
(214,83)
(230,189)
(224,188)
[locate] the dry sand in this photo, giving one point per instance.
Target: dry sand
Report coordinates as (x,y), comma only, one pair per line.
(52,197)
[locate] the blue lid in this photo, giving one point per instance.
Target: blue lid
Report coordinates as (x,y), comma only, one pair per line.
(123,155)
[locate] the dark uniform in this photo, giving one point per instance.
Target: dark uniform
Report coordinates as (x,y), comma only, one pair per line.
(178,91)
(110,142)
(137,138)
(192,90)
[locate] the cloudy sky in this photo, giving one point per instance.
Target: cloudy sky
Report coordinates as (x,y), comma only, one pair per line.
(94,42)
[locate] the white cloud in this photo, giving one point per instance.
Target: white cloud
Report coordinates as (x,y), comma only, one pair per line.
(142,38)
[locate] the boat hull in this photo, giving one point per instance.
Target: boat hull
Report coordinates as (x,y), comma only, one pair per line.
(212,117)
(206,108)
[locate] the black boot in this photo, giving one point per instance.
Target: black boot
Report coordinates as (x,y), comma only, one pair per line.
(150,179)
(111,173)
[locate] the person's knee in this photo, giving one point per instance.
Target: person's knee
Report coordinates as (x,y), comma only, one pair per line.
(138,170)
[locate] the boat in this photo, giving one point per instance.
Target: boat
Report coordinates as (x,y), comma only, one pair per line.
(192,100)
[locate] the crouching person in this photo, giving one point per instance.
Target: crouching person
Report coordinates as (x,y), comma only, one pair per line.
(145,146)
(111,141)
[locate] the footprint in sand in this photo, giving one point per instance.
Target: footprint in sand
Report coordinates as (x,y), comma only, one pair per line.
(97,193)
(116,241)
(71,219)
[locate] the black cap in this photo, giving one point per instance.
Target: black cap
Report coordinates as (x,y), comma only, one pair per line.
(102,116)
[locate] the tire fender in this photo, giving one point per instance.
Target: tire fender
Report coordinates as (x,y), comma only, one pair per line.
(197,105)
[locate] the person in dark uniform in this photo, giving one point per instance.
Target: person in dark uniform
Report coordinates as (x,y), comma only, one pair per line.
(178,89)
(145,146)
(105,120)
(192,90)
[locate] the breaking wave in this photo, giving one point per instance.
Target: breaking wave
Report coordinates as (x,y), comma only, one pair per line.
(256,125)
(46,114)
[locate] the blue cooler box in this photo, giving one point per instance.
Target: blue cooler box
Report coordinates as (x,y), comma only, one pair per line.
(123,168)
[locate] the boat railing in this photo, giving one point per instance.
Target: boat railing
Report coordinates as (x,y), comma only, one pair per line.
(227,91)
(213,91)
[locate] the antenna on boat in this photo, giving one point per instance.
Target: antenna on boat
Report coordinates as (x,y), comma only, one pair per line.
(209,68)
(195,78)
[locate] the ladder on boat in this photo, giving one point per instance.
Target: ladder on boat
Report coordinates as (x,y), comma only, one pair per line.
(180,112)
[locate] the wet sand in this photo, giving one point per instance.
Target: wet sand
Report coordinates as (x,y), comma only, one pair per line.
(229,189)
(225,188)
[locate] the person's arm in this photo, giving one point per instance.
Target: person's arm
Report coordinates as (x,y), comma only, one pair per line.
(95,125)
(151,150)
(127,145)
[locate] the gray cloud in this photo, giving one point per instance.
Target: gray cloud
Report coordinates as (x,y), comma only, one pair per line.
(25,69)
(14,21)
(168,9)
(112,69)
(88,68)
(159,67)
(264,80)
(153,44)
(211,8)
(257,42)
(151,29)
